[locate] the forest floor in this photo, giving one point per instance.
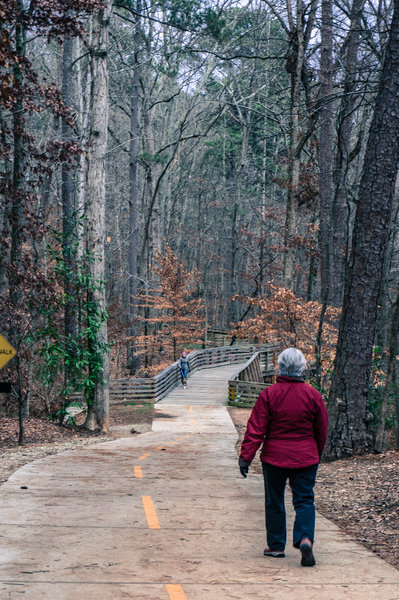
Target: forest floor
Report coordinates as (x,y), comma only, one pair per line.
(361,495)
(43,438)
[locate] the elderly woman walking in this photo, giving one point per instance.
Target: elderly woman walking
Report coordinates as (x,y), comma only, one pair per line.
(290,420)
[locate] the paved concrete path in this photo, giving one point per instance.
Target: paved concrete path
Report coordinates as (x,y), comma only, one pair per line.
(165,516)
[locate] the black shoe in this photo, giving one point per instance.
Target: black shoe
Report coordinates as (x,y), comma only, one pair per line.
(273,553)
(308,559)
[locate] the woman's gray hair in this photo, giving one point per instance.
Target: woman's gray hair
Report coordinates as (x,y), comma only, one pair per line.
(291,362)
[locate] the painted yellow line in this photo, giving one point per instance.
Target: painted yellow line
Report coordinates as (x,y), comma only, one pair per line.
(170,443)
(138,472)
(175,592)
(144,456)
(190,408)
(192,421)
(179,439)
(150,514)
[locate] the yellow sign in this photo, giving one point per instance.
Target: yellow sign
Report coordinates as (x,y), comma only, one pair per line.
(7,352)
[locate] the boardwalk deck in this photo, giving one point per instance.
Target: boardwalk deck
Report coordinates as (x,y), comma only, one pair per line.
(206,387)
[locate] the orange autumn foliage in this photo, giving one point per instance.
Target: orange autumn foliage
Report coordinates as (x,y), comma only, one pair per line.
(176,320)
(284,319)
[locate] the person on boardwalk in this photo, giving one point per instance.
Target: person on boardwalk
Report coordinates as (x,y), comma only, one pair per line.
(184,367)
(291,421)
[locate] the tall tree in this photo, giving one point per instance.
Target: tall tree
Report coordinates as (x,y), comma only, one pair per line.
(345,153)
(326,184)
(325,142)
(98,411)
(390,377)
(68,199)
(299,23)
(18,201)
(134,360)
(348,399)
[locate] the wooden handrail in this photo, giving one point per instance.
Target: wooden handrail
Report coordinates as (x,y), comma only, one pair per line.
(155,388)
(141,389)
(247,382)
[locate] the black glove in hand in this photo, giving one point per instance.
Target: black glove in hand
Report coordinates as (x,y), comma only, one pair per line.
(244,467)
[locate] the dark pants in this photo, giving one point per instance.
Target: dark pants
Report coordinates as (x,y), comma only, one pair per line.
(302,483)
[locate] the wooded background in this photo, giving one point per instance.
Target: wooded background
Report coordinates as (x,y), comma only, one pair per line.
(178,165)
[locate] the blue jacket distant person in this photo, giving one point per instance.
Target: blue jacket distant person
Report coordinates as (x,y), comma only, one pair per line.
(184,366)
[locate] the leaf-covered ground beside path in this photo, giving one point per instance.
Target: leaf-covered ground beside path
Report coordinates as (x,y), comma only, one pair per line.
(361,495)
(43,438)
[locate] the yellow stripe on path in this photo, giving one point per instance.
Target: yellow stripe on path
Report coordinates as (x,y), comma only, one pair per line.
(192,421)
(175,592)
(150,514)
(138,472)
(143,456)
(190,408)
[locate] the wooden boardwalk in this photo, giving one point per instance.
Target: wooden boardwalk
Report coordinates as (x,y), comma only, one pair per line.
(205,386)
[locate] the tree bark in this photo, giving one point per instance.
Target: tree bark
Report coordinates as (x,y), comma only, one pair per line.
(98,409)
(325,144)
(245,119)
(4,210)
(339,216)
(294,165)
(16,213)
(393,351)
(326,183)
(133,358)
(348,399)
(68,205)
(298,30)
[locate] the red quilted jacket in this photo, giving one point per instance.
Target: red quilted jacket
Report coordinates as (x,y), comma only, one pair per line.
(290,420)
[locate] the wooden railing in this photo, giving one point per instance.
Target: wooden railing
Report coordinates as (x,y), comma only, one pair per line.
(257,373)
(223,337)
(155,388)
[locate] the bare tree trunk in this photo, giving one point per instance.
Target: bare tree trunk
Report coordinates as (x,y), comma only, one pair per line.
(133,358)
(83,87)
(326,184)
(16,213)
(98,410)
(393,351)
(325,144)
(234,248)
(68,204)
(348,400)
(295,66)
(4,212)
(345,125)
(293,181)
